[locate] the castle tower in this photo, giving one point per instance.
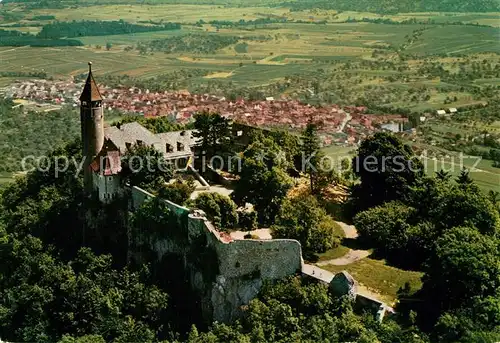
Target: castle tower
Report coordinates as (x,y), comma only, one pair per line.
(92,124)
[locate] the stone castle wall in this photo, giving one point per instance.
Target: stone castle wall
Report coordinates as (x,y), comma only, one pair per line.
(226,273)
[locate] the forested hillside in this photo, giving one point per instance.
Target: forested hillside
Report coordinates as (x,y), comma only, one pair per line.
(31,133)
(68,279)
(99,28)
(16,38)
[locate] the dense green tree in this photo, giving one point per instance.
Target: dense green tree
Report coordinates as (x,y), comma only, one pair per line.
(463,327)
(213,132)
(314,162)
(294,310)
(178,192)
(18,38)
(145,167)
(448,205)
(494,197)
(59,29)
(290,145)
(263,167)
(311,155)
(463,269)
(154,217)
(443,176)
(220,209)
(45,202)
(247,220)
(406,233)
(26,133)
(388,228)
(193,43)
(43,298)
(83,339)
(276,184)
(387,169)
(303,219)
(464,178)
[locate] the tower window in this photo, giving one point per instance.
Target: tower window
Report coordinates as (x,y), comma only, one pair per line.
(180,146)
(169,148)
(139,142)
(128,145)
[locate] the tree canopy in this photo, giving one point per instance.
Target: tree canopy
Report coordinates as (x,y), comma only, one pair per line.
(386,168)
(263,166)
(302,218)
(66,274)
(213,133)
(145,167)
(220,209)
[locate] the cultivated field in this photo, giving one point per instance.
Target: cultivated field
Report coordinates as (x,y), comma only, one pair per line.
(384,64)
(174,13)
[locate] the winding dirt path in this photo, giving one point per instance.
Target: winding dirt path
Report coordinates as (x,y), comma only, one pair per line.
(352,255)
(349,230)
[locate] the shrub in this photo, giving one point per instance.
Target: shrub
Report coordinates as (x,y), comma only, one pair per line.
(177,192)
(303,219)
(247,220)
(219,209)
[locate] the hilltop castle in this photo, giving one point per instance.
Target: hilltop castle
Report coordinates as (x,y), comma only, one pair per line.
(224,273)
(104,145)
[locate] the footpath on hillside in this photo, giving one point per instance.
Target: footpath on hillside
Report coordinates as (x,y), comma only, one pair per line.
(351,256)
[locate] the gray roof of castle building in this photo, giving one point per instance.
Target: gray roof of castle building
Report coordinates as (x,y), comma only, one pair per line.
(131,133)
(185,137)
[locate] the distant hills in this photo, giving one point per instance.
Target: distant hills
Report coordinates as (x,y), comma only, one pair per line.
(376,6)
(398,6)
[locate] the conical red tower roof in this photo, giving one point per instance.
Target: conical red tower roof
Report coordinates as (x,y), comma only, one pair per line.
(90,91)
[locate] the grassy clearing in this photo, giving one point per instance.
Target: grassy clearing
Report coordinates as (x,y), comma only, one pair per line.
(333,253)
(219,75)
(379,277)
(485,176)
(339,152)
